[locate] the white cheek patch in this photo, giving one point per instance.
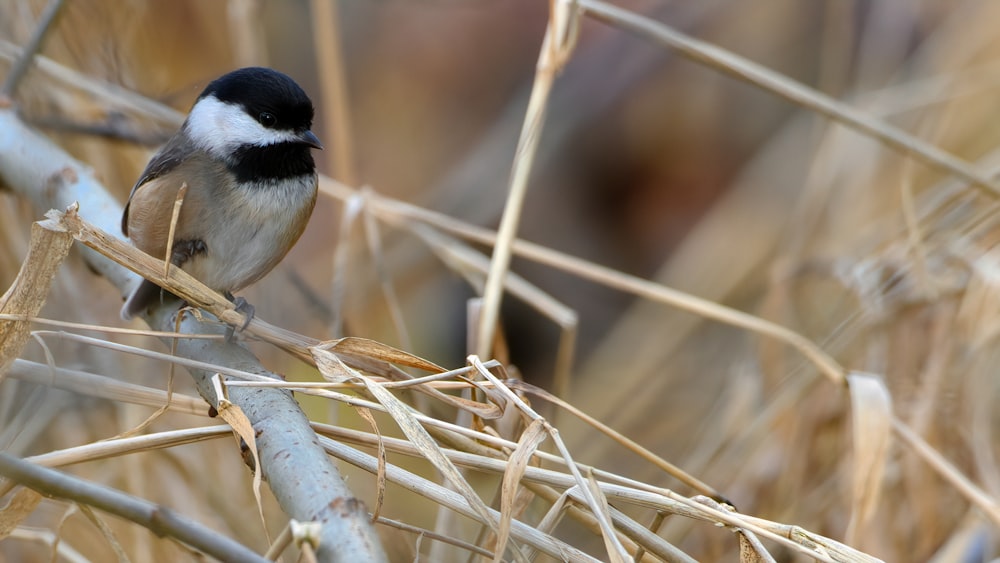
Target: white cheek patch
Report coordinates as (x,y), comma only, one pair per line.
(221,128)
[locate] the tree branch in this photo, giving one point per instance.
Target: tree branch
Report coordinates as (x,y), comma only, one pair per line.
(27,162)
(159,519)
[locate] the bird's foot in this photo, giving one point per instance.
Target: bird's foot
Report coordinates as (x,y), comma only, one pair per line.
(242,306)
(185,250)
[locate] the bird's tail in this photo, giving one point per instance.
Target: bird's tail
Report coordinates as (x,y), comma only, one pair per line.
(143,296)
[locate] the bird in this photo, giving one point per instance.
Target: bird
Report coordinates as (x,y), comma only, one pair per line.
(244,157)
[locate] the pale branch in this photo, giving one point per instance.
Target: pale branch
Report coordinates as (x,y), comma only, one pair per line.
(304,480)
(159,519)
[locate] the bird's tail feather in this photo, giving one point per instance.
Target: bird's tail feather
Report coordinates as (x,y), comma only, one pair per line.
(143,296)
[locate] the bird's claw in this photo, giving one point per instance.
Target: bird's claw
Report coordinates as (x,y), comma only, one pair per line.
(244,307)
(185,250)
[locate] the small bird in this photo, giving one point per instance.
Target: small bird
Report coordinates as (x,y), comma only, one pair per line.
(244,155)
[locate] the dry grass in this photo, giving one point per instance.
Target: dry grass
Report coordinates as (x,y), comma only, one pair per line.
(814,342)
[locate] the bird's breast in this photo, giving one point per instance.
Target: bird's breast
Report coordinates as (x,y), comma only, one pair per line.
(252,227)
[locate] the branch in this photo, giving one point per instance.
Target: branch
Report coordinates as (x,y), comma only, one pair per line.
(27,162)
(159,519)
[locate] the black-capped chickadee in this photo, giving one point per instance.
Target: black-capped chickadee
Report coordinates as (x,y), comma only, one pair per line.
(244,155)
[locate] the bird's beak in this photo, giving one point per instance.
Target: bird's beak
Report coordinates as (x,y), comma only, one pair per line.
(309,138)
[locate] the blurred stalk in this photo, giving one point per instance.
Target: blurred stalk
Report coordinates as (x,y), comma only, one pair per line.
(560,38)
(333,90)
(246,33)
(34,44)
(748,71)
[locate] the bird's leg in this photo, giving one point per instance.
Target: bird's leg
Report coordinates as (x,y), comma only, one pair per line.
(183,251)
(242,306)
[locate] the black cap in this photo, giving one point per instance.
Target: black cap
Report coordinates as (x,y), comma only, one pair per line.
(263,90)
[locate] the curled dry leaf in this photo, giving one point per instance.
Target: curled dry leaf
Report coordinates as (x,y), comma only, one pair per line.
(105,530)
(871,423)
(238,421)
(616,552)
(381,359)
(531,438)
(20,506)
(373,349)
(380,474)
(751,550)
(326,360)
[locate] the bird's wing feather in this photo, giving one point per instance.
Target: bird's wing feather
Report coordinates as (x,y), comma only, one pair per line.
(151,206)
(173,154)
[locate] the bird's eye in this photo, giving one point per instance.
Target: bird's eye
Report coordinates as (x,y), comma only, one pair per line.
(267,119)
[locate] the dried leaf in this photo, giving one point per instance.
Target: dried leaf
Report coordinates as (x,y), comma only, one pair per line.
(326,360)
(24,502)
(871,422)
(337,373)
(534,435)
(616,553)
(105,530)
(377,350)
(751,550)
(354,353)
(380,473)
(238,421)
(485,411)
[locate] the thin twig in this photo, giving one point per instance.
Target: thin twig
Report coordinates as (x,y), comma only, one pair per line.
(612,278)
(823,361)
(669,468)
(472,548)
(28,54)
(976,495)
(559,41)
(795,92)
(174,216)
(333,89)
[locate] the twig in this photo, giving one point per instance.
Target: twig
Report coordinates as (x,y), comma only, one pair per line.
(976,495)
(93,385)
(333,89)
(669,468)
(21,67)
(116,126)
(795,92)
(27,294)
(159,519)
(824,362)
(560,37)
(615,550)
(174,216)
(472,548)
(609,277)
(442,495)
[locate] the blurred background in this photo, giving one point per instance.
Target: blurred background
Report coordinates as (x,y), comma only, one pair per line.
(649,164)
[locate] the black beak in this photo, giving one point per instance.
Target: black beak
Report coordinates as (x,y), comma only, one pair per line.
(309,138)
